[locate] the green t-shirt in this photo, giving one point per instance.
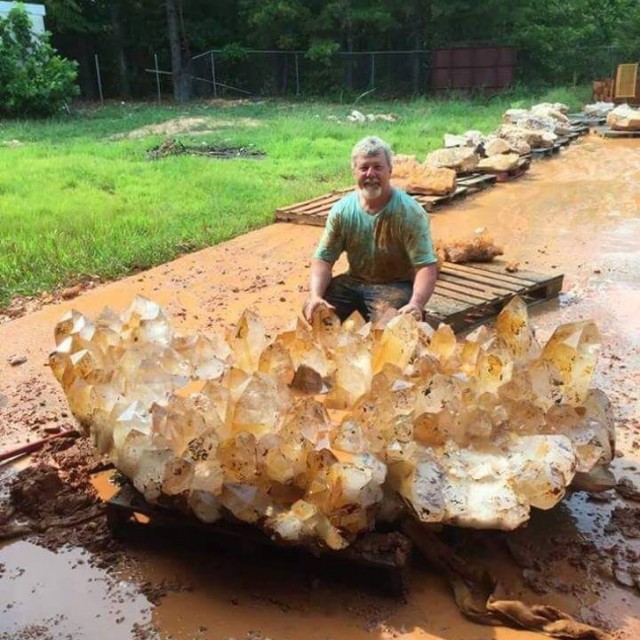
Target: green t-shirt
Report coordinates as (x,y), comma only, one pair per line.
(386,246)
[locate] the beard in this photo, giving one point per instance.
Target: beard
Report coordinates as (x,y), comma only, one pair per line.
(372,190)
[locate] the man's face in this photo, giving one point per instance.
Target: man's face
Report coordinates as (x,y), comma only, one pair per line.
(373,175)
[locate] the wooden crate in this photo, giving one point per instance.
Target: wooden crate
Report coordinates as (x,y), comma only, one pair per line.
(378,560)
(467,295)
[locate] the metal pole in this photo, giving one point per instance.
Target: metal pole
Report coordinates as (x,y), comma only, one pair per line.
(99,79)
(155,59)
(213,76)
(297,76)
(373,70)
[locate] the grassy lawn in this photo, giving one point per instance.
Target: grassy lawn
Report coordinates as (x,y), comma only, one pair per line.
(78,197)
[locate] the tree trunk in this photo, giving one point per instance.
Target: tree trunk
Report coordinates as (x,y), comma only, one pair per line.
(118,51)
(348,30)
(86,68)
(180,58)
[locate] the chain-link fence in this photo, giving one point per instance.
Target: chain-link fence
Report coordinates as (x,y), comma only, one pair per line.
(384,74)
(389,73)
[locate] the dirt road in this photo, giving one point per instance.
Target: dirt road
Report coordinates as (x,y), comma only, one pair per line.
(576,214)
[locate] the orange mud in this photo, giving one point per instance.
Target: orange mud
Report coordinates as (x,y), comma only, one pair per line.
(576,214)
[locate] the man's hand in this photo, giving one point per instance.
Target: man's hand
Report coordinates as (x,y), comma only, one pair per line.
(312,303)
(412,309)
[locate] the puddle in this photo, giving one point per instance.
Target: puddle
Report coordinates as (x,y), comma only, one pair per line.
(103,483)
(59,595)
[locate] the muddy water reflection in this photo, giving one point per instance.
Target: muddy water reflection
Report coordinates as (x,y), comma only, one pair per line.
(59,595)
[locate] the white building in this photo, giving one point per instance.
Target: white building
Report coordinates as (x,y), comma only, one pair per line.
(36,14)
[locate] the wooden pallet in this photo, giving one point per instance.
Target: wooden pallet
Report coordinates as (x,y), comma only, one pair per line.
(608,132)
(467,295)
(376,559)
(579,129)
(315,211)
(583,119)
(546,152)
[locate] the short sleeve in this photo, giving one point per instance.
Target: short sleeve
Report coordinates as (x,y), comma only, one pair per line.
(332,243)
(418,241)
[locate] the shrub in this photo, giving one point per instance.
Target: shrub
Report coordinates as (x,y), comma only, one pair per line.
(34,80)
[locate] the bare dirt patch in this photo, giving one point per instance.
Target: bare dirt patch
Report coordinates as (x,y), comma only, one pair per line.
(187,125)
(21,305)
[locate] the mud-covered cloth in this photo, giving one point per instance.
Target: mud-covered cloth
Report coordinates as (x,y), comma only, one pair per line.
(370,300)
(384,247)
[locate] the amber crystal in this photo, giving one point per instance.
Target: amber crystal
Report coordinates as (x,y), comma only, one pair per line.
(317,434)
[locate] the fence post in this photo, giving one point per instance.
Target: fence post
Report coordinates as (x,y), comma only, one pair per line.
(213,77)
(373,70)
(155,59)
(297,76)
(99,79)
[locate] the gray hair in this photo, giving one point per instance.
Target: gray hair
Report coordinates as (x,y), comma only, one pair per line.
(371,146)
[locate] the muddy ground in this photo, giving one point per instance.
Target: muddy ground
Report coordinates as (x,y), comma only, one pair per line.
(576,214)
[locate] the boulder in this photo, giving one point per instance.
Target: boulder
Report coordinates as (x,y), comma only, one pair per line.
(499,163)
(454,140)
(511,116)
(515,134)
(425,180)
(460,159)
(624,118)
(598,109)
(550,110)
(495,146)
(403,165)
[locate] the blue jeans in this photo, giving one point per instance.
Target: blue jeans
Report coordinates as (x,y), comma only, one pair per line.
(348,294)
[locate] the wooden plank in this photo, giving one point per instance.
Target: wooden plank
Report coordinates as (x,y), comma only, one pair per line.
(318,220)
(430,203)
(528,278)
(376,557)
(495,271)
(457,285)
(477,178)
(482,282)
(449,286)
(443,305)
(608,132)
(326,202)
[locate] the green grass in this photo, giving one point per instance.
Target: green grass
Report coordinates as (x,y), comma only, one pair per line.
(76,201)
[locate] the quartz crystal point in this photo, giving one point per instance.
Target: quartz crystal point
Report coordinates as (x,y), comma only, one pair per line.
(514,330)
(328,428)
(248,341)
(570,357)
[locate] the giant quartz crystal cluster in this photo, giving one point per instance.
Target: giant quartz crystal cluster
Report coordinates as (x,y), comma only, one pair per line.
(317,434)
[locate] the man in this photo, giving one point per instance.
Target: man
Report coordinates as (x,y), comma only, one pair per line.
(388,242)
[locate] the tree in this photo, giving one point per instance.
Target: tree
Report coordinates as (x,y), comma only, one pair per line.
(34,81)
(180,56)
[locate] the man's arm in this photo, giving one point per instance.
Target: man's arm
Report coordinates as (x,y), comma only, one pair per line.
(318,283)
(424,283)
